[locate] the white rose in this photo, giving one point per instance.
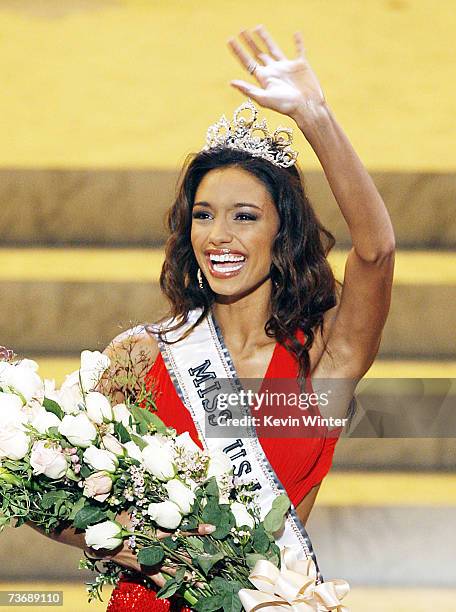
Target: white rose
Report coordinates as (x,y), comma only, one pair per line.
(184,440)
(219,464)
(98,408)
(71,380)
(98,486)
(100,459)
(121,414)
(43,420)
(22,378)
(14,442)
(69,399)
(107,535)
(241,515)
(93,365)
(11,409)
(112,444)
(47,458)
(78,430)
(133,451)
(29,363)
(166,514)
(49,387)
(158,460)
(180,494)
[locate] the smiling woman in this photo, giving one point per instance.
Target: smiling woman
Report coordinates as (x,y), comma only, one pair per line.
(252,294)
(253,232)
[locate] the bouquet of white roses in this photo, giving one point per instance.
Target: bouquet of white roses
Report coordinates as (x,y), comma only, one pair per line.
(71,457)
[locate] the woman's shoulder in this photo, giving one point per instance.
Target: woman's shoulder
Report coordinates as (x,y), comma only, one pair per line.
(132,354)
(135,342)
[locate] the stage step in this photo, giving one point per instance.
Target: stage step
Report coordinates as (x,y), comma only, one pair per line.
(360,599)
(127,207)
(371,529)
(57,367)
(69,299)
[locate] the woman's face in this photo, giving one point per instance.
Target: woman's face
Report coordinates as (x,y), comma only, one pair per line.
(234,223)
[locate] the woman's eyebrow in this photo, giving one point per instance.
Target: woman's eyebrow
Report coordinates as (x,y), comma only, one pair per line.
(237,205)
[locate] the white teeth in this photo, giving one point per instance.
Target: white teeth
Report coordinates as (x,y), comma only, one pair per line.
(227,268)
(226,257)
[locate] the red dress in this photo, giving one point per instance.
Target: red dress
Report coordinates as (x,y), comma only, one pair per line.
(300,463)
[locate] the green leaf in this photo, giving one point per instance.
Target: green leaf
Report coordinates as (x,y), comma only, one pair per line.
(12,465)
(189,523)
(85,471)
(224,523)
(275,518)
(210,547)
(274,559)
(122,433)
(147,420)
(151,555)
(274,551)
(168,589)
(79,505)
(231,603)
(138,441)
(220,585)
(53,497)
(211,488)
(71,475)
(209,604)
(207,562)
(252,558)
(260,540)
(157,423)
(281,503)
(180,575)
(212,512)
(196,543)
(52,406)
(89,515)
(170,543)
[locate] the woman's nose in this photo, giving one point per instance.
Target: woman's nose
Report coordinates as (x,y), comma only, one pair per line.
(220,232)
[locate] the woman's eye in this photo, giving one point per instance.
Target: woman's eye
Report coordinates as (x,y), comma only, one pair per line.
(245,217)
(238,217)
(199,215)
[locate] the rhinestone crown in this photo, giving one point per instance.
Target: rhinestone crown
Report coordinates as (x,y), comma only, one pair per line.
(242,134)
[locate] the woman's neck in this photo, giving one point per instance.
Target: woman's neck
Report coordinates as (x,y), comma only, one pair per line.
(242,321)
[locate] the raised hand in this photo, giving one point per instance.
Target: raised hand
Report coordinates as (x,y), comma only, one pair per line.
(288,86)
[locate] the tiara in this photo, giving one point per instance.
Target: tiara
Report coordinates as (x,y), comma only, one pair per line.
(241,135)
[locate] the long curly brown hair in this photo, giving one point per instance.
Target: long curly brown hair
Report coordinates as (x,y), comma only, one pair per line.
(303,284)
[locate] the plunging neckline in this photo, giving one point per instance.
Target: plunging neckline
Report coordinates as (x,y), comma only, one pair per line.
(230,358)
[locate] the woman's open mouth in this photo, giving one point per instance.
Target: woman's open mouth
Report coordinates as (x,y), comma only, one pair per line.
(226,265)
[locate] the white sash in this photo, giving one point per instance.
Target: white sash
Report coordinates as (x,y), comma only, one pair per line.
(201,357)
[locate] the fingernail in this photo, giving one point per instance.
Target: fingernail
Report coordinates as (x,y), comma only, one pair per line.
(210,529)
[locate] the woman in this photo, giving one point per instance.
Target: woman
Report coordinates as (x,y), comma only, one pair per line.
(246,261)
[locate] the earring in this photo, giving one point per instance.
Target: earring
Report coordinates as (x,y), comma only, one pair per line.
(200,279)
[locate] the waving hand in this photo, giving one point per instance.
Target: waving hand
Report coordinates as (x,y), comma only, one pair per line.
(288,86)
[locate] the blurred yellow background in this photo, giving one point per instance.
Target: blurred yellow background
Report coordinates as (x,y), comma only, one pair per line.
(134,83)
(101,100)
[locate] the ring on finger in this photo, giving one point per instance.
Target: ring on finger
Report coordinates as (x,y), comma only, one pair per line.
(252,67)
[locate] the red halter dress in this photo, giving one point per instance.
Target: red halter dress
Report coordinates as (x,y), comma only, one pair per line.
(299,463)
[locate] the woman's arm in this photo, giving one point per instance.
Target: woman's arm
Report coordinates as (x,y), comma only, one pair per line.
(292,88)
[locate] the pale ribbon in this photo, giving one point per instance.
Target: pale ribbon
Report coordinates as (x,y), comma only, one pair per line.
(293,587)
